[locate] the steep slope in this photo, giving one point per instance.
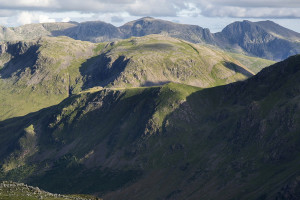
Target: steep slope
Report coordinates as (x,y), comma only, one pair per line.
(82,140)
(239,141)
(262,39)
(279,31)
(37,74)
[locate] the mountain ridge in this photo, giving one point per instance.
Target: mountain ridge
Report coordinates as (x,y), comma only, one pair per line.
(261,39)
(153,116)
(200,140)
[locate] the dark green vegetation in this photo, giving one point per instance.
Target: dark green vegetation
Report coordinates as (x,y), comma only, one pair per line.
(263,39)
(20,191)
(238,141)
(41,73)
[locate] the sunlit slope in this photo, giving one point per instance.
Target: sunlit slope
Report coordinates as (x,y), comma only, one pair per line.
(41,73)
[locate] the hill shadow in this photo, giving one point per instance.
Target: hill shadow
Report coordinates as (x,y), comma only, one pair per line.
(67,171)
(20,61)
(151,83)
(101,70)
(90,31)
(234,67)
(156,46)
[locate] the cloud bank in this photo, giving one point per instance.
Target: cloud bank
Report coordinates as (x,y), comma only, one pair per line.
(29,11)
(216,8)
(250,8)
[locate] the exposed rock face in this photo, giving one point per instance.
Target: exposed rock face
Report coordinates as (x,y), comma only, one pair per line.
(263,39)
(18,56)
(147,26)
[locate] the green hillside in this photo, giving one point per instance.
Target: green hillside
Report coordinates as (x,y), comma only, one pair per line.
(252,63)
(238,141)
(38,74)
(41,73)
(157,59)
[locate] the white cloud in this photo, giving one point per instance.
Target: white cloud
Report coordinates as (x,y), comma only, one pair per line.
(16,12)
(251,3)
(44,19)
(191,10)
(241,12)
(250,8)
(7,13)
(133,7)
(211,8)
(66,19)
(36,3)
(25,18)
(156,7)
(28,18)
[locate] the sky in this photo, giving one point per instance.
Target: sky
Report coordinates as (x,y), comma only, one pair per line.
(212,14)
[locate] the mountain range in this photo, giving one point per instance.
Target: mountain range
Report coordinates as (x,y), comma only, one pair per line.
(149,110)
(237,141)
(264,39)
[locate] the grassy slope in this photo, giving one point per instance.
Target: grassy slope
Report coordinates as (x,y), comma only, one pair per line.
(40,78)
(118,126)
(157,59)
(169,142)
(38,74)
(252,63)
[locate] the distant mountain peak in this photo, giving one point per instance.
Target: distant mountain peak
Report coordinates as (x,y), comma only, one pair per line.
(278,30)
(264,39)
